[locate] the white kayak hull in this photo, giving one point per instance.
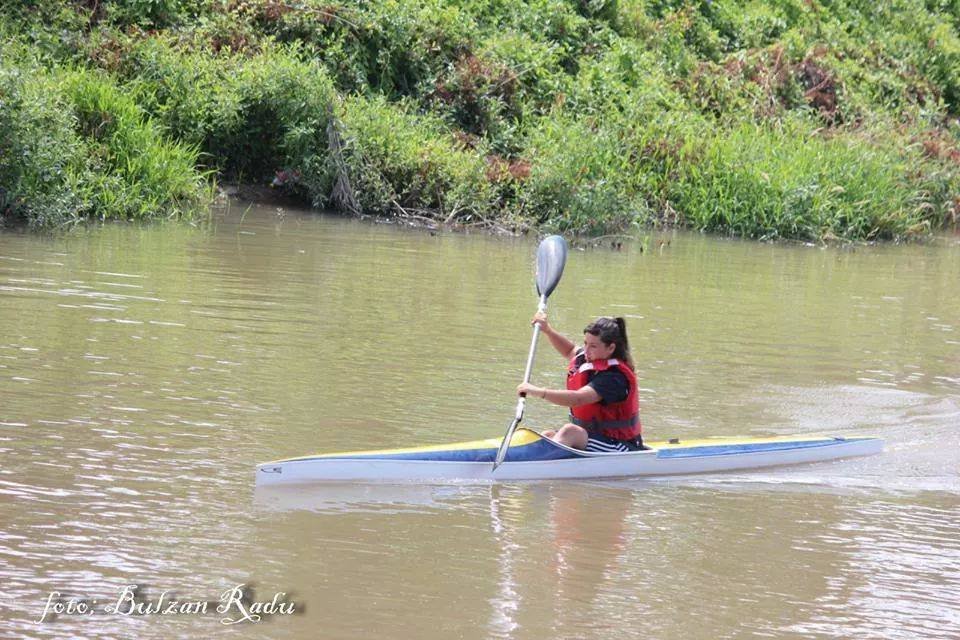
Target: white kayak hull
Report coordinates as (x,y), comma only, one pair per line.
(450,463)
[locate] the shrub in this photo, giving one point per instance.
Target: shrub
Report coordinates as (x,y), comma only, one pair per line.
(399,160)
(252,115)
(40,152)
(147,13)
(767,118)
(767,182)
(625,77)
(581,180)
(73,145)
(398,47)
(134,172)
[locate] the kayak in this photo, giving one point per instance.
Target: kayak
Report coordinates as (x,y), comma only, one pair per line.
(533,457)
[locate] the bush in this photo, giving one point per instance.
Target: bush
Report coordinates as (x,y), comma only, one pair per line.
(766,118)
(398,160)
(148,13)
(133,171)
(40,152)
(765,182)
(252,115)
(397,47)
(536,66)
(73,145)
(581,179)
(625,77)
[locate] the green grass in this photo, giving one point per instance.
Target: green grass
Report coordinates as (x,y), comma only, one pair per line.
(400,161)
(799,119)
(134,172)
(251,114)
(782,182)
(73,145)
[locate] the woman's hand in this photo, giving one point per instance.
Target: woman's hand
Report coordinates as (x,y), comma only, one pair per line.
(541,319)
(525,388)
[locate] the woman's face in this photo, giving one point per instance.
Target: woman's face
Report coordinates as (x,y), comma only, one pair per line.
(595,349)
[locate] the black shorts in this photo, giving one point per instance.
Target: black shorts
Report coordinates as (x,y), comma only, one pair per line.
(603,444)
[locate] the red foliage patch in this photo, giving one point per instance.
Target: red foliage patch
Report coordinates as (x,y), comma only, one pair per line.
(519,169)
(273,10)
(465,140)
(820,85)
(500,169)
(473,77)
(939,145)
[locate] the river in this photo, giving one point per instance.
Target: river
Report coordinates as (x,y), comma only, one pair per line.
(145,370)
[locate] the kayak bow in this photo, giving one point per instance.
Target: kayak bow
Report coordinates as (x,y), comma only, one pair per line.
(532,457)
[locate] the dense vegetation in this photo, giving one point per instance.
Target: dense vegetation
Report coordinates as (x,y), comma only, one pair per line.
(808,119)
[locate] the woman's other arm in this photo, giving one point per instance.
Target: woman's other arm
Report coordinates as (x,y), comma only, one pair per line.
(562,397)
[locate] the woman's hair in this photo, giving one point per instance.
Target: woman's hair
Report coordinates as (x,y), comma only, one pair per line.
(612,331)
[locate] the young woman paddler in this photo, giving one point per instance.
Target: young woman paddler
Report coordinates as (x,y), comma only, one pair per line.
(601,388)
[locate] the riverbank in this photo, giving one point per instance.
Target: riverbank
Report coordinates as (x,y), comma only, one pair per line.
(799,120)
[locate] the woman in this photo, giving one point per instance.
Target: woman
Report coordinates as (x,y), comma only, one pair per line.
(601,388)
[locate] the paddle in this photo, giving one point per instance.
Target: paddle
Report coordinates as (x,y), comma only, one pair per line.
(551,257)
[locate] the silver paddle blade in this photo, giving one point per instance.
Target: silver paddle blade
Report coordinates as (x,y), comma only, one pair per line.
(551,258)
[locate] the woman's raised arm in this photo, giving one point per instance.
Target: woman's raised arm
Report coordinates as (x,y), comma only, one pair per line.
(561,343)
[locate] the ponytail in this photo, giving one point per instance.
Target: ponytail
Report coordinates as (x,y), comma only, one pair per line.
(624,346)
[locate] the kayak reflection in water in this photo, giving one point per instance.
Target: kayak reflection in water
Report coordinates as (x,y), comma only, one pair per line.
(601,388)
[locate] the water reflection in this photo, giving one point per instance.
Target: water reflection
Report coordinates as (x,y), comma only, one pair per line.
(506,603)
(590,559)
(366,497)
(892,554)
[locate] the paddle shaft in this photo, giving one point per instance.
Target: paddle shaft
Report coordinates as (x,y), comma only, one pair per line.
(533,343)
(521,401)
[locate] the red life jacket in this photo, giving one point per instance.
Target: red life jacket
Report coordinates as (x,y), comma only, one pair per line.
(618,420)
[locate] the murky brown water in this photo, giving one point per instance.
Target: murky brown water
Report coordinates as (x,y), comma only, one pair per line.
(144,372)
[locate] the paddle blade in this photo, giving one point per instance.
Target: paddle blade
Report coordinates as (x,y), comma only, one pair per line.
(551,258)
(505,444)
